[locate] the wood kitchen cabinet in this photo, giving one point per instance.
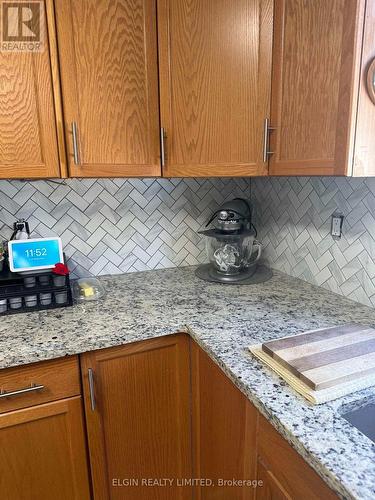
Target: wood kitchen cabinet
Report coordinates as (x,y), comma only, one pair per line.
(224,432)
(42,454)
(232,440)
(43,448)
(137,402)
(108,63)
(29,143)
(316,57)
(364,155)
(182,88)
(271,489)
(285,475)
(215,84)
(155,409)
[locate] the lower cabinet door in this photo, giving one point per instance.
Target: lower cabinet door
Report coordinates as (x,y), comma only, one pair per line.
(283,472)
(270,488)
(137,404)
(43,453)
(224,430)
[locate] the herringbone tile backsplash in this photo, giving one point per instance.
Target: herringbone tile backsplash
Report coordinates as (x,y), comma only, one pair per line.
(293,216)
(111,226)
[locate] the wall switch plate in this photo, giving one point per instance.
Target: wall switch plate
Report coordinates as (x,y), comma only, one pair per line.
(336,225)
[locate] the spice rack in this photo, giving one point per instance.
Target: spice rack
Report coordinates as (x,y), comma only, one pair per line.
(29,292)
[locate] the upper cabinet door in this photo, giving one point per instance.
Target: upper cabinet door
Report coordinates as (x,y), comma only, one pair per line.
(28,142)
(316,52)
(364,158)
(108,58)
(215,75)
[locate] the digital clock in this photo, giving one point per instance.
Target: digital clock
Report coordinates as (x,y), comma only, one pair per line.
(34,254)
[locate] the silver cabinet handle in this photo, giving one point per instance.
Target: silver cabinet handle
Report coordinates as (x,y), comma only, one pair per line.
(32,388)
(267,130)
(91,388)
(75,143)
(371,81)
(162,146)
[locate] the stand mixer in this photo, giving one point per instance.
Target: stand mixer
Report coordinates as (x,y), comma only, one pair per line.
(231,245)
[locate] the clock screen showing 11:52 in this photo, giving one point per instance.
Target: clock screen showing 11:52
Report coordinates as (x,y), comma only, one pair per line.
(35,254)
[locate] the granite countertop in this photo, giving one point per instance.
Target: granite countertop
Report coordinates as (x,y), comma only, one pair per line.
(224,320)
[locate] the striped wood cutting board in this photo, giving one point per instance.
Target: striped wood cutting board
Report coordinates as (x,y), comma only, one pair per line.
(327,357)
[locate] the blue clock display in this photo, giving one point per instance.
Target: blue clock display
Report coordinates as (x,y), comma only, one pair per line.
(34,254)
(37,253)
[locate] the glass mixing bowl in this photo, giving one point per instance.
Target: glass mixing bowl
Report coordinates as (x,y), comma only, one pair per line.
(232,254)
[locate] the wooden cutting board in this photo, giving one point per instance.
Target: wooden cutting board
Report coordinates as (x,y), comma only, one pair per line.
(327,357)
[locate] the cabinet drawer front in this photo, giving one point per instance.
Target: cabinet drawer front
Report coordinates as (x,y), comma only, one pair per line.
(39,383)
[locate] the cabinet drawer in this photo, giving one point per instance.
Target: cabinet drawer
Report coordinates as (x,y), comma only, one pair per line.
(58,379)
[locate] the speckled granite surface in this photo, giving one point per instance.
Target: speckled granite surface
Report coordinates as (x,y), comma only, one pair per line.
(224,321)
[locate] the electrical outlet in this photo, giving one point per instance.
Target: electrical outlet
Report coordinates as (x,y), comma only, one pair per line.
(336,225)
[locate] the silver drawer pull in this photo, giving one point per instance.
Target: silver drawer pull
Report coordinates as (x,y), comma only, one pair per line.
(32,388)
(91,388)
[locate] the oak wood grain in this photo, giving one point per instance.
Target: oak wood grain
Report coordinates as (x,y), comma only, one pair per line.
(60,377)
(43,454)
(364,157)
(286,468)
(224,432)
(215,67)
(141,426)
(270,488)
(28,145)
(55,74)
(108,57)
(314,84)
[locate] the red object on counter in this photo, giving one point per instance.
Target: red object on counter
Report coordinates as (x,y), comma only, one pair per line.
(60,269)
